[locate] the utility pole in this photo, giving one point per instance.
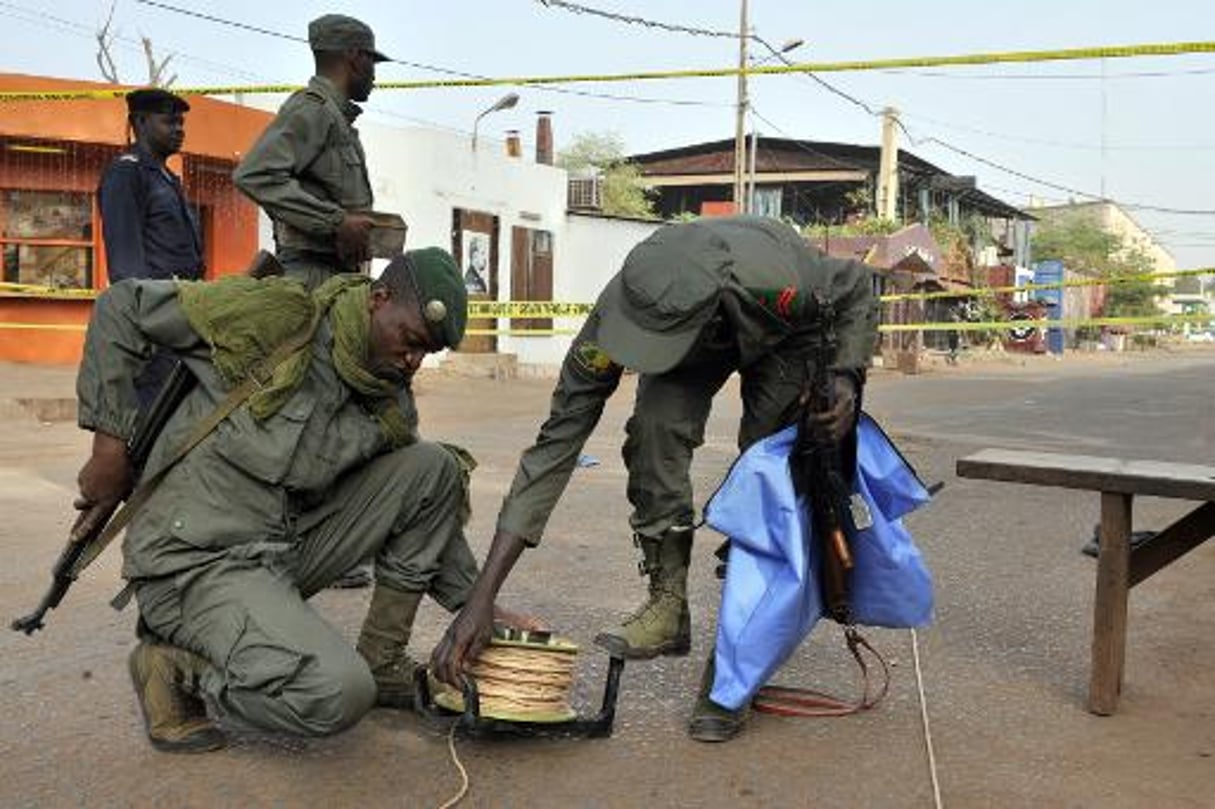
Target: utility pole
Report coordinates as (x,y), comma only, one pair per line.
(750,196)
(888,167)
(740,135)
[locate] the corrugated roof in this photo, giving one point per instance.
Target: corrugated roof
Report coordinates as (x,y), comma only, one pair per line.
(787,155)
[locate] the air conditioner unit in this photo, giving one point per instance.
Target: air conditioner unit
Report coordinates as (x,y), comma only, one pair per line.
(584,193)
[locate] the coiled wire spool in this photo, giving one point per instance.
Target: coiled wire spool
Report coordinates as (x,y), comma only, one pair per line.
(521,676)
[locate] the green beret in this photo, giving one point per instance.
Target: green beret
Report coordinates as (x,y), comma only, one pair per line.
(441,293)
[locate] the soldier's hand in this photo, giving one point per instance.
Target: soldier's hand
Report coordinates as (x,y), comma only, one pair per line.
(837,422)
(353,239)
(520,620)
(104,480)
(463,641)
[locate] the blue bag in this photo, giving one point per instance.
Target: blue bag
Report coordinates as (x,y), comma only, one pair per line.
(771,598)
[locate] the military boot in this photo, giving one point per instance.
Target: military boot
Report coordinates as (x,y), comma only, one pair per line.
(663,624)
(383,642)
(166,681)
(710,721)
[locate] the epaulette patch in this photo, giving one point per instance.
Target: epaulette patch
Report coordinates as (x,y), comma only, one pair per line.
(593,360)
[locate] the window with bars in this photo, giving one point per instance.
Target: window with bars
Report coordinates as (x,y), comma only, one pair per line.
(46,237)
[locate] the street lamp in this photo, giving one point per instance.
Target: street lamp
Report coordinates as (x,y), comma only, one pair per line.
(504,103)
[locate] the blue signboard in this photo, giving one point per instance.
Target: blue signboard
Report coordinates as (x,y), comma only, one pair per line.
(1051,272)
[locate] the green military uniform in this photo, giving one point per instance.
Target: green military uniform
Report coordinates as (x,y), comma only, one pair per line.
(756,278)
(307,171)
(268,510)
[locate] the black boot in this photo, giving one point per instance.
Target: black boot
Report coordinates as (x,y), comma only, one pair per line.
(711,722)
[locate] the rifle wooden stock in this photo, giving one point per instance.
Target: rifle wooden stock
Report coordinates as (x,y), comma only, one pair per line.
(79,550)
(819,476)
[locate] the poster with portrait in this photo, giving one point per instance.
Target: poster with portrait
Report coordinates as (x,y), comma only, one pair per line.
(475,251)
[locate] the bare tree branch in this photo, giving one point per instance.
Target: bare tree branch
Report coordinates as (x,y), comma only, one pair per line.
(156,69)
(105,59)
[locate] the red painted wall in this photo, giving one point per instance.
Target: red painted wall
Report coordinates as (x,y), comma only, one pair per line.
(89,134)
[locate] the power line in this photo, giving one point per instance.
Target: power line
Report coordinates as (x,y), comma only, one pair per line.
(577,8)
(801,144)
(428,67)
(42,18)
(1048,184)
(1059,144)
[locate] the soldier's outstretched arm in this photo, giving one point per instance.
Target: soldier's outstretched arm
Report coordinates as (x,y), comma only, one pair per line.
(588,378)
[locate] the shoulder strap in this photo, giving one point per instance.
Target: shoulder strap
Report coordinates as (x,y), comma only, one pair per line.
(260,374)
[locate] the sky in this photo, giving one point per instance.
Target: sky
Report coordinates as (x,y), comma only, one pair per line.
(1140,131)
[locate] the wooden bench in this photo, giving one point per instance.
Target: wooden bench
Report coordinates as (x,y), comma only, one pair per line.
(1119,566)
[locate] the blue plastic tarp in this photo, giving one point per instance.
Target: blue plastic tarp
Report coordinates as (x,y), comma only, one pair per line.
(771,598)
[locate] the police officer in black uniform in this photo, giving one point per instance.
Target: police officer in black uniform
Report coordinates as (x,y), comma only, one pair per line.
(149,229)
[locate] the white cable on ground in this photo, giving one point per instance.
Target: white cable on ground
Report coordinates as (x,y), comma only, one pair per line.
(455,759)
(932,759)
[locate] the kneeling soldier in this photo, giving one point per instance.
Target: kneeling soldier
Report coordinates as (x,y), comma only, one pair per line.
(319,467)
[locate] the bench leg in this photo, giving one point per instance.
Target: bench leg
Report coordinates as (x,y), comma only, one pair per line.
(1109,611)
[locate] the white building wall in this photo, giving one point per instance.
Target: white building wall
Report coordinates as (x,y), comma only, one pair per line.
(425,174)
(587,252)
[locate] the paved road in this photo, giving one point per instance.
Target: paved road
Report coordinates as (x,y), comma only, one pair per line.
(1005,664)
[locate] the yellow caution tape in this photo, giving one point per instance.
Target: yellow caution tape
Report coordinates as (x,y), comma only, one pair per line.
(976,292)
(512,309)
(1002,57)
(45,326)
(992,325)
(1012,325)
(9,290)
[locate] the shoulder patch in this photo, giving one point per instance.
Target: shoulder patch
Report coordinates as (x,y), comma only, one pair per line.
(788,303)
(593,360)
(128,158)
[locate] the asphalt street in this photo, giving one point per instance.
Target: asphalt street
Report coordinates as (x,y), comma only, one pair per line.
(1005,664)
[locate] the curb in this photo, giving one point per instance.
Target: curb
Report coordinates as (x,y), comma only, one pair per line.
(43,409)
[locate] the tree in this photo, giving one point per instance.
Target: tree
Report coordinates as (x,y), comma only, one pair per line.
(1084,246)
(109,69)
(622,193)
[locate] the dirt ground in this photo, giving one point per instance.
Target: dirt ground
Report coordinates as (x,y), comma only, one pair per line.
(1005,664)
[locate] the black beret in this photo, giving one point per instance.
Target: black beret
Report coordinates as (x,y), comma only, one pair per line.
(154,99)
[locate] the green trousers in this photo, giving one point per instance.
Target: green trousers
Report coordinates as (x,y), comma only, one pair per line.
(278,665)
(668,424)
(313,269)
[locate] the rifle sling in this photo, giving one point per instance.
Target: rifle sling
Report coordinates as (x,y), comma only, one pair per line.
(143,492)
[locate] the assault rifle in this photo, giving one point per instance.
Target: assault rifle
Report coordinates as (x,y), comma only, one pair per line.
(82,548)
(819,475)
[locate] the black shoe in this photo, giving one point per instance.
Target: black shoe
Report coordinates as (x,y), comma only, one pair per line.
(710,721)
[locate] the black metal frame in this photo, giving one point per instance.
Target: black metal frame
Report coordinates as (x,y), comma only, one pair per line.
(472,723)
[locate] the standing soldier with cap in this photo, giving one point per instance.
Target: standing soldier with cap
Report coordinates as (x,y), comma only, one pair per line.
(309,173)
(308,170)
(693,304)
(149,229)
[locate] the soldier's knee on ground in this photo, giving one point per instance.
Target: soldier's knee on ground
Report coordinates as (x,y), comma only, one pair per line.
(333,695)
(279,689)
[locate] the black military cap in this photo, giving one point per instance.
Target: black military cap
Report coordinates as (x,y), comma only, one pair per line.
(337,32)
(154,99)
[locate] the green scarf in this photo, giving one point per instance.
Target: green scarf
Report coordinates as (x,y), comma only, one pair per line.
(245,319)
